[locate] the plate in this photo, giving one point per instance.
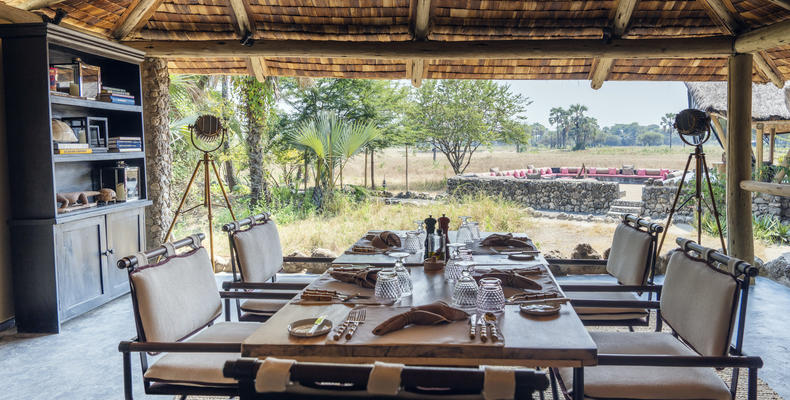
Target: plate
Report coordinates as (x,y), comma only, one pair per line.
(301,327)
(540,309)
(521,257)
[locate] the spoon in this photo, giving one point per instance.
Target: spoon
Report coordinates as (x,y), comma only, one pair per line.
(490,319)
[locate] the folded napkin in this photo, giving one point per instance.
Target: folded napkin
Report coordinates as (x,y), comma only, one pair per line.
(385,240)
(363,249)
(429,314)
(514,278)
(365,277)
(496,239)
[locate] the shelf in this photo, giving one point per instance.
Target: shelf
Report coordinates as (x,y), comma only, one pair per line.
(95,211)
(100,105)
(62,158)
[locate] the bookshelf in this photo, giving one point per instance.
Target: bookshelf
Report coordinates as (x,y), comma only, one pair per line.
(64,261)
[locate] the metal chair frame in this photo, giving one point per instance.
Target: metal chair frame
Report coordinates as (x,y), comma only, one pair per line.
(653,230)
(742,272)
(336,379)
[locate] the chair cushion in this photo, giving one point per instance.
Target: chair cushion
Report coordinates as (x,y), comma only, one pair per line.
(698,302)
(629,255)
(295,278)
(204,369)
(263,306)
(628,382)
(607,313)
(260,255)
(176,297)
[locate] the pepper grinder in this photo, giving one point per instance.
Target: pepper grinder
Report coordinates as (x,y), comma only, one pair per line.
(444,225)
(430,229)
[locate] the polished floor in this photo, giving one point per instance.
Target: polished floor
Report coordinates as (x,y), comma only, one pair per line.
(82,362)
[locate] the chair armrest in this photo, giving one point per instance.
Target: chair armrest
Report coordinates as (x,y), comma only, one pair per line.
(680,361)
(611,288)
(327,260)
(579,262)
(269,294)
(227,285)
(615,303)
(178,347)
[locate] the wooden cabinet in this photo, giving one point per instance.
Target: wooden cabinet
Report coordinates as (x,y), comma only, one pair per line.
(63,260)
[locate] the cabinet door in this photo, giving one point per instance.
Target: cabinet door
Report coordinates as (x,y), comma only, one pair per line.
(82,266)
(125,236)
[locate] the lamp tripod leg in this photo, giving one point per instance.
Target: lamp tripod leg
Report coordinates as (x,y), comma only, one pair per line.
(222,187)
(713,205)
(207,200)
(183,199)
(674,204)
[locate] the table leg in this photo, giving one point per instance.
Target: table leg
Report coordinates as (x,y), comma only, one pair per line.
(578,383)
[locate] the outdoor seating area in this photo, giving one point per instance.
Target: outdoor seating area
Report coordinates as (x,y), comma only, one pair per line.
(626,174)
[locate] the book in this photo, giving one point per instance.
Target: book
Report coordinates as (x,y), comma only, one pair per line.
(117,100)
(126,150)
(62,145)
(73,151)
(113,90)
(115,138)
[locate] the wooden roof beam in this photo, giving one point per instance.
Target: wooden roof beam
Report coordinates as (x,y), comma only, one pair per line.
(781,3)
(602,67)
(766,66)
(136,15)
(245,23)
(13,15)
(38,4)
(257,68)
(764,38)
(505,49)
(415,71)
(422,19)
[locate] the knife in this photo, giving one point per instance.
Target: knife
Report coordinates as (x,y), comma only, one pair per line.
(483,330)
(472,322)
(316,324)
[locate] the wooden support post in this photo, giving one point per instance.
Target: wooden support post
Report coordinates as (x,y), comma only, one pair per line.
(372,176)
(772,143)
(740,241)
(759,135)
(365,164)
(407,168)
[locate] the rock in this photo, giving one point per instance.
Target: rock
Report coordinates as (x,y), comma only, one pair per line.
(222,264)
(661,262)
(606,253)
(554,254)
(584,251)
(779,269)
(319,252)
(295,267)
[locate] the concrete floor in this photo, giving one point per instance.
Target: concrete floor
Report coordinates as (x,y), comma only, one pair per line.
(82,362)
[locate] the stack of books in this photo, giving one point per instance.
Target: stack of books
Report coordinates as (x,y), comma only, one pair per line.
(115,95)
(71,148)
(124,144)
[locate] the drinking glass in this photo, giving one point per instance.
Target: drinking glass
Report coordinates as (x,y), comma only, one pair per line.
(465,290)
(387,286)
(475,228)
(451,269)
(402,273)
(412,243)
(490,297)
(464,234)
(421,234)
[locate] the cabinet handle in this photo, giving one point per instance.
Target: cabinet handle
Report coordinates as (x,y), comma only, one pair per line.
(108,252)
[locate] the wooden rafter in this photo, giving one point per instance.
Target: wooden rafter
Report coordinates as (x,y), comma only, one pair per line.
(602,67)
(764,38)
(245,24)
(781,3)
(38,4)
(136,15)
(415,69)
(13,15)
(504,49)
(723,12)
(422,19)
(257,67)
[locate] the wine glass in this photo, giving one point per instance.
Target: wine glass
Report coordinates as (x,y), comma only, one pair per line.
(490,296)
(412,243)
(464,234)
(402,272)
(465,290)
(421,234)
(387,286)
(475,228)
(451,270)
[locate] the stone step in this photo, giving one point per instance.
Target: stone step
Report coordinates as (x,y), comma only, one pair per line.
(627,203)
(626,210)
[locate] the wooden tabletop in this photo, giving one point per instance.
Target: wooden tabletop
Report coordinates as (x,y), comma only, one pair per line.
(559,340)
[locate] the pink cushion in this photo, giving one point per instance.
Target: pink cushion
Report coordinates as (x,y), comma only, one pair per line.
(640,172)
(492,174)
(564,170)
(612,171)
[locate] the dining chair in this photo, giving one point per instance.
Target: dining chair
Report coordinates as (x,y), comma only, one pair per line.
(704,292)
(632,261)
(310,380)
(176,302)
(256,258)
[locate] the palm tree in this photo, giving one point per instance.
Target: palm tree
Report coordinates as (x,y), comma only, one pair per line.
(667,125)
(258,104)
(582,125)
(332,141)
(558,117)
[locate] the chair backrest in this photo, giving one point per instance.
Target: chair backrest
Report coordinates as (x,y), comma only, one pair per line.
(176,297)
(256,250)
(632,255)
(699,302)
(321,380)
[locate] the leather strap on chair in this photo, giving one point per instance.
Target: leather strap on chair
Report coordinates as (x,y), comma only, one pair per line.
(384,379)
(142,259)
(273,375)
(499,382)
(196,240)
(170,249)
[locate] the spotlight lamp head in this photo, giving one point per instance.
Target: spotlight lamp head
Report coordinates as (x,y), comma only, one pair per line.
(206,132)
(693,126)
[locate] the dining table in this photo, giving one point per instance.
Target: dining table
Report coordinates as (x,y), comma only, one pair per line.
(558,340)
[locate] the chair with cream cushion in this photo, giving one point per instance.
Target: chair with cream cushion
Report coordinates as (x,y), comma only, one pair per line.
(256,258)
(700,303)
(631,261)
(176,303)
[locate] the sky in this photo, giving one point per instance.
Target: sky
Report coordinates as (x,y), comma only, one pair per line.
(614,103)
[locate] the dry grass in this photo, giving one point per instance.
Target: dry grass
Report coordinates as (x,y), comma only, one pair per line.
(425,174)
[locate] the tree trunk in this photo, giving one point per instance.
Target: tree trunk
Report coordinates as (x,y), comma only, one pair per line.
(407,168)
(372,176)
(230,175)
(365,164)
(159,155)
(258,187)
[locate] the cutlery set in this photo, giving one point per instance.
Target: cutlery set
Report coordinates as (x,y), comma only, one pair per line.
(330,295)
(355,317)
(485,326)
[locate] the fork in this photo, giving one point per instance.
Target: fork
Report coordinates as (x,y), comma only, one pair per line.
(352,316)
(359,318)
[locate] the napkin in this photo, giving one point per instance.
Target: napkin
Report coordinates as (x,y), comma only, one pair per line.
(385,240)
(496,239)
(429,314)
(514,278)
(365,277)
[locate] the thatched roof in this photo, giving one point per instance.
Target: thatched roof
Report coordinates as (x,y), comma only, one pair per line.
(769,103)
(425,39)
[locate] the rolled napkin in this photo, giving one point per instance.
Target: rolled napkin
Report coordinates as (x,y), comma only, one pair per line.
(514,278)
(385,240)
(429,314)
(496,239)
(365,277)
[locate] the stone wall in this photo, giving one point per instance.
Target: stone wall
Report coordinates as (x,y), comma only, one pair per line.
(570,195)
(774,206)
